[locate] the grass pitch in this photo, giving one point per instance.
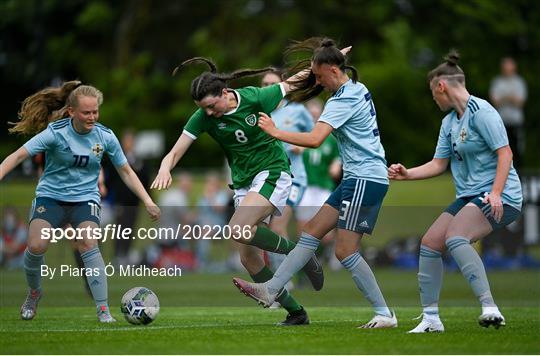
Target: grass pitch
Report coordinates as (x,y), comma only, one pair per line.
(206,314)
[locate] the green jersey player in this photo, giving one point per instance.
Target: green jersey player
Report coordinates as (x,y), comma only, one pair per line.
(261,176)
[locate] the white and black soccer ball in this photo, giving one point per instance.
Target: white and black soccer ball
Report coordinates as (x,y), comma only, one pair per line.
(140,305)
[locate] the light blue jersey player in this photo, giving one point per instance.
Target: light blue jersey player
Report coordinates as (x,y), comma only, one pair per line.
(488,191)
(354,206)
(67,192)
(471,142)
(351,113)
(73,161)
(294,117)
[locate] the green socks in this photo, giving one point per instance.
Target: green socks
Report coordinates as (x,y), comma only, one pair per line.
(267,240)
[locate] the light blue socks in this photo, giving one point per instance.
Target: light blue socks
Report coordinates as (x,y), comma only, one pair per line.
(366,282)
(430,275)
(32,269)
(472,268)
(96,281)
(295,261)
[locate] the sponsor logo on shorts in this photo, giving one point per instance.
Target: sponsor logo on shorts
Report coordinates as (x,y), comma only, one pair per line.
(41,209)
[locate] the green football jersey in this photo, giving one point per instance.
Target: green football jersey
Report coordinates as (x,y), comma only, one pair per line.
(317,162)
(249,150)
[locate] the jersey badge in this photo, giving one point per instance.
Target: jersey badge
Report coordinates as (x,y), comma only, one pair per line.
(251,120)
(97,149)
(222,126)
(463,135)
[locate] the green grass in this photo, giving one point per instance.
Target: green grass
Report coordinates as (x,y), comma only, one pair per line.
(206,314)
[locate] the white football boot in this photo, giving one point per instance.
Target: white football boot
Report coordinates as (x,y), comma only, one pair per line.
(257,291)
(429,324)
(491,316)
(381,322)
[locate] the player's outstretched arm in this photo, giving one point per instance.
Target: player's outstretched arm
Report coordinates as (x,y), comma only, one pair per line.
(129,177)
(163,179)
(433,168)
(311,139)
(12,161)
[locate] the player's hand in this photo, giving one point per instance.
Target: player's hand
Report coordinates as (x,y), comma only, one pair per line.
(153,210)
(162,181)
(102,190)
(266,124)
(497,209)
(397,171)
(345,50)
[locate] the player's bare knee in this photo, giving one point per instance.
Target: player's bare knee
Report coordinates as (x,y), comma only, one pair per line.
(310,228)
(86,245)
(342,252)
(434,243)
(37,246)
(454,230)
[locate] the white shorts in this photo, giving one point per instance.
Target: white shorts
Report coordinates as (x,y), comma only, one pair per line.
(274,186)
(314,197)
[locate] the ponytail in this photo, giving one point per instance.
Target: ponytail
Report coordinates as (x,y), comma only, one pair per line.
(50,104)
(322,51)
(211,82)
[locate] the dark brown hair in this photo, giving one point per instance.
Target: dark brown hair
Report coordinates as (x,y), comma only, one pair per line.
(323,51)
(211,82)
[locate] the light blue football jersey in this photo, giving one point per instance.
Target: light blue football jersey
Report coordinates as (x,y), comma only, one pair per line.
(351,112)
(470,142)
(73,160)
(294,117)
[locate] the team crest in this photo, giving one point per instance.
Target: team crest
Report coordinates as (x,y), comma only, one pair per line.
(463,135)
(41,209)
(97,149)
(251,120)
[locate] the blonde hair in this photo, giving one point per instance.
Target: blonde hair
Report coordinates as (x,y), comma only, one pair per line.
(50,104)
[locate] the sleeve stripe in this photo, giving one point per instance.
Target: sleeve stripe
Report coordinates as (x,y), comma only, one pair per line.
(60,124)
(189,134)
(282,87)
(103,128)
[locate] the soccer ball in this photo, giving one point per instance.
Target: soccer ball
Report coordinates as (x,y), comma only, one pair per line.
(140,305)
